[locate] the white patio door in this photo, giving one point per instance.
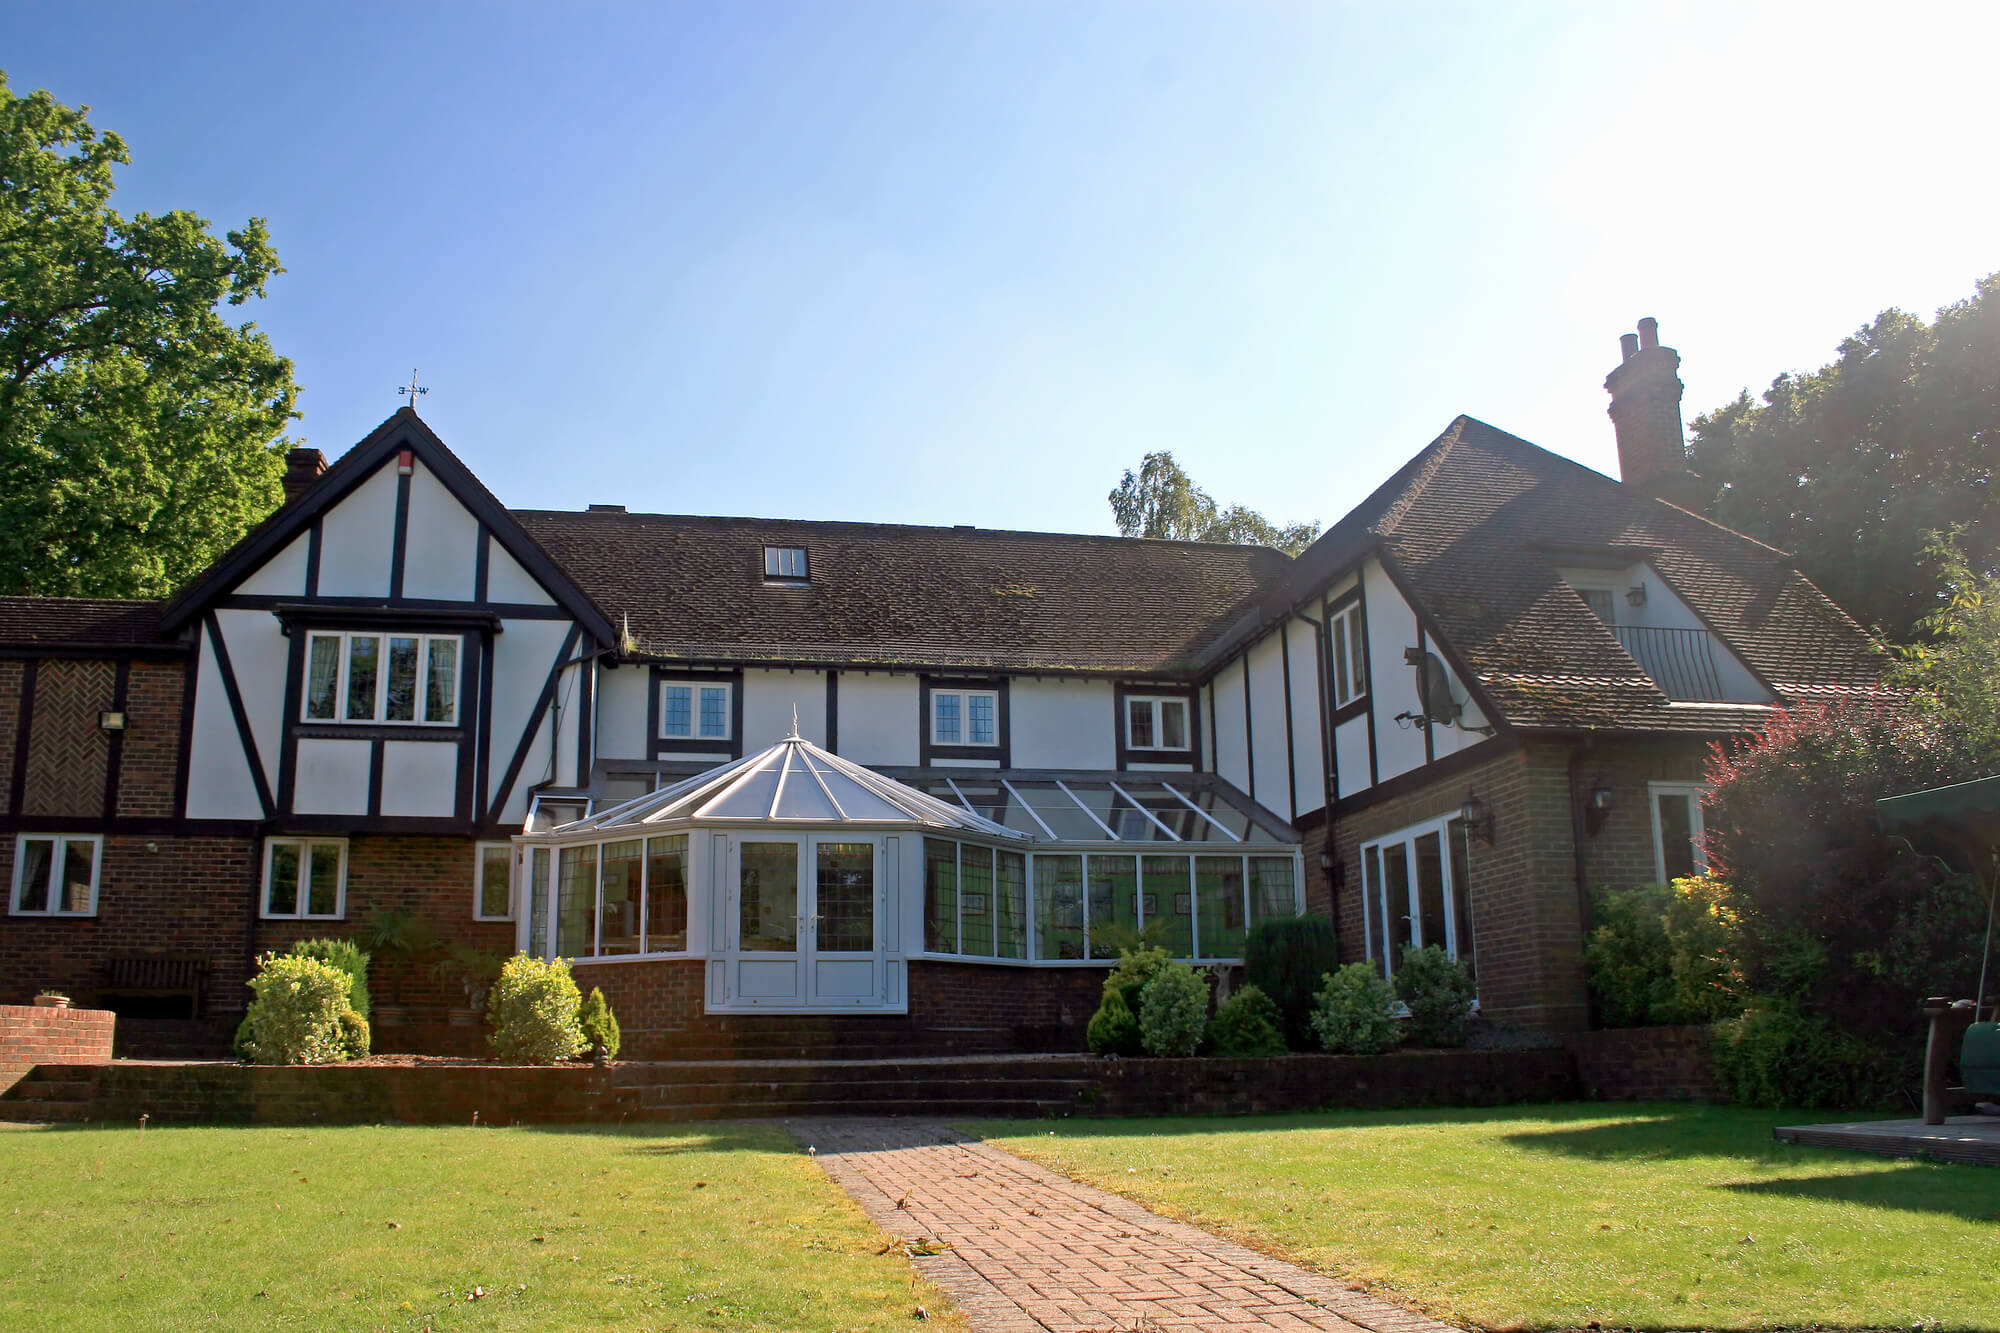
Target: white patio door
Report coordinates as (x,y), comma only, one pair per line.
(804,923)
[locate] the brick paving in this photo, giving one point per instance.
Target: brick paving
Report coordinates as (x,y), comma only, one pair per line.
(1025,1250)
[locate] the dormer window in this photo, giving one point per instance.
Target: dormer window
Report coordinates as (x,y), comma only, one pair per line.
(785,564)
(1602,601)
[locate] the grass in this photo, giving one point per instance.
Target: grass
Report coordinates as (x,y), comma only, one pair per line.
(1654,1217)
(725,1227)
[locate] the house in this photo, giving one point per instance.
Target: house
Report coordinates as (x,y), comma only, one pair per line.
(913,782)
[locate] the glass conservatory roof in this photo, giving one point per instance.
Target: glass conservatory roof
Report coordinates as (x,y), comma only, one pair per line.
(793,782)
(1103,808)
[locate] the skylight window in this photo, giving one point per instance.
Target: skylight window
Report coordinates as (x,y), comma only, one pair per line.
(785,563)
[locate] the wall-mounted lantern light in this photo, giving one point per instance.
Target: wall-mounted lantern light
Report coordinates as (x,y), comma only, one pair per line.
(1478,818)
(1636,595)
(111,721)
(1596,806)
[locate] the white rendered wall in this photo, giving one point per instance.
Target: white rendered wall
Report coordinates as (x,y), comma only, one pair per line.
(569,717)
(507,582)
(358,539)
(332,777)
(878,718)
(219,782)
(283,575)
(1232,758)
(419,778)
(1350,749)
(768,697)
(440,544)
(1062,723)
(621,712)
(1267,721)
(522,655)
(259,653)
(1392,627)
(1308,759)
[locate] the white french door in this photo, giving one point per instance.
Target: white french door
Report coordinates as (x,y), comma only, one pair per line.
(803,924)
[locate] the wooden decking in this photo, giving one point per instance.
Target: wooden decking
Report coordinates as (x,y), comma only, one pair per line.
(1961,1138)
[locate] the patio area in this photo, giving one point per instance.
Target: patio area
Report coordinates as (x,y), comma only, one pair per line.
(1974,1139)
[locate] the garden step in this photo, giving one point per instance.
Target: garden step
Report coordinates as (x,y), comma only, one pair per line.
(28,1111)
(1055,1092)
(994,1108)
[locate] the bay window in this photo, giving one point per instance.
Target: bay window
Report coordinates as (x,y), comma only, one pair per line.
(353,676)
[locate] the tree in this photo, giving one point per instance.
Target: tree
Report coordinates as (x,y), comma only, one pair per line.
(139,429)
(1160,500)
(1855,466)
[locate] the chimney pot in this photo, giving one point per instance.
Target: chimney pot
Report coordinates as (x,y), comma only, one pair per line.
(1628,343)
(1649,333)
(302,468)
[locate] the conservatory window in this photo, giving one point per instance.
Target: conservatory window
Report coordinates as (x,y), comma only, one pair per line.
(614,899)
(56,874)
(1155,723)
(360,677)
(965,717)
(305,877)
(695,712)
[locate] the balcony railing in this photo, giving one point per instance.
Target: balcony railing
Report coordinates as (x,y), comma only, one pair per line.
(1680,661)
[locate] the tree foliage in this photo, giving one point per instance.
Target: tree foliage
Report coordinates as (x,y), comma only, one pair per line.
(1854,466)
(1160,500)
(138,428)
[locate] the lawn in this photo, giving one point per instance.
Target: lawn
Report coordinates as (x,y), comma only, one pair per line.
(1655,1216)
(725,1226)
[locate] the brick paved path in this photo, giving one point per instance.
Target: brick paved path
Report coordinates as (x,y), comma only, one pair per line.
(1031,1250)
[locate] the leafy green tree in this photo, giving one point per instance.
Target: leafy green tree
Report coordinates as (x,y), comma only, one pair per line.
(139,429)
(1160,500)
(1855,466)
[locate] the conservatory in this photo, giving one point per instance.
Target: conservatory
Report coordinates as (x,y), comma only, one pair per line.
(807,883)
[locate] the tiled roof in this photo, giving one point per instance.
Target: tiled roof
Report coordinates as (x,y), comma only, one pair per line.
(903,595)
(77,621)
(1479,522)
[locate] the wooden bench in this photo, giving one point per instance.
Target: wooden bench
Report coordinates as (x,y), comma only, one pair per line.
(1976,1046)
(155,977)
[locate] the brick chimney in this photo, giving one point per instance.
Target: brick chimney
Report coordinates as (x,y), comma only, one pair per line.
(1646,412)
(302,469)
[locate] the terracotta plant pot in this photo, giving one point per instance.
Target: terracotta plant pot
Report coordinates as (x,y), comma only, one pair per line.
(52,1001)
(388,1016)
(465,1018)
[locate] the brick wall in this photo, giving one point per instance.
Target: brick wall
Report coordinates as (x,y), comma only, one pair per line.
(146,770)
(1646,1064)
(31,1035)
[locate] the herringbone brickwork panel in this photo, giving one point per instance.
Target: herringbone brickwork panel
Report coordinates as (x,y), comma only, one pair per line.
(67,750)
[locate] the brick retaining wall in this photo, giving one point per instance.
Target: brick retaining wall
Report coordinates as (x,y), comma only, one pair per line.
(31,1035)
(1645,1064)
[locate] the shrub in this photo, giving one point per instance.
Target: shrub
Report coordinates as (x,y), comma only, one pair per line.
(1354,1012)
(1114,1028)
(599,1024)
(1287,958)
(534,1007)
(1773,1055)
(1173,1010)
(350,958)
(1245,1024)
(1437,990)
(296,1017)
(1666,953)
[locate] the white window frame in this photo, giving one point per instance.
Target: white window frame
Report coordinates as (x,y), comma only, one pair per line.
(298,912)
(1344,629)
(1157,702)
(965,698)
(787,564)
(1610,594)
(1376,908)
(345,639)
(694,689)
(479,850)
(1694,791)
(63,841)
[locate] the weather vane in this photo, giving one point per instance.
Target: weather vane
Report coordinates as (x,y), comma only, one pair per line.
(412,389)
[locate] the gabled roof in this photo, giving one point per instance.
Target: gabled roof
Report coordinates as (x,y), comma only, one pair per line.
(404,430)
(1475,528)
(895,594)
(77,622)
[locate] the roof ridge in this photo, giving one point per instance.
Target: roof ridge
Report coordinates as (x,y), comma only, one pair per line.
(1430,460)
(867,525)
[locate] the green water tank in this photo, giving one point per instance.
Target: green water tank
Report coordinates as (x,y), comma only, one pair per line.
(1979,1058)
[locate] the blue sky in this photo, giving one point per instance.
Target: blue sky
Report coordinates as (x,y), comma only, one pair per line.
(964,263)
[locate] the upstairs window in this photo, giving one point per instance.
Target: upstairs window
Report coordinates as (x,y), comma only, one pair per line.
(1602,602)
(56,875)
(785,563)
(358,677)
(1155,723)
(695,712)
(1348,666)
(965,717)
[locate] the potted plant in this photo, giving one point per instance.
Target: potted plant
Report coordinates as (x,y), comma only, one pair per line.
(396,934)
(51,999)
(475,970)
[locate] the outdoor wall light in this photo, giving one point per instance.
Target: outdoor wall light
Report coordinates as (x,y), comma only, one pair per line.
(1478,818)
(1596,806)
(1636,595)
(111,721)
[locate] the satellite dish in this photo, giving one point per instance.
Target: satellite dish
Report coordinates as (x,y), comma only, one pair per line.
(1434,697)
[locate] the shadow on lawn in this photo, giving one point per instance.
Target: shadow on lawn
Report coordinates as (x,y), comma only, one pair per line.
(1693,1132)
(1918,1191)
